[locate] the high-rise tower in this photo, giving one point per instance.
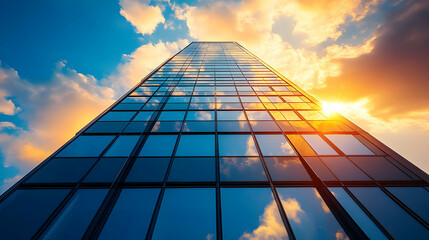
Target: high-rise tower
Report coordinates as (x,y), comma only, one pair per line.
(215,144)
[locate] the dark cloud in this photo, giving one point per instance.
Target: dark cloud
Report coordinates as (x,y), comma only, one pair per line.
(395,75)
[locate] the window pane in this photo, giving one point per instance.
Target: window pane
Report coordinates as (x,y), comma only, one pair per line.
(131,215)
(159,145)
(344,169)
(196,145)
(416,198)
(358,215)
(237,145)
(148,170)
(308,214)
(258,115)
(167,127)
(172,116)
(202,126)
(76,215)
(187,213)
(122,147)
(118,116)
(107,127)
(396,221)
(274,145)
(86,146)
(200,116)
(231,115)
(250,213)
(143,116)
(320,169)
(379,168)
(349,144)
(62,170)
(264,126)
(241,169)
(105,170)
(286,169)
(24,212)
(233,126)
(319,145)
(136,127)
(192,170)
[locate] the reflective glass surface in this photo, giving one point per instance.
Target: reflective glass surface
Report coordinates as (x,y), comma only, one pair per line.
(187,213)
(122,146)
(396,220)
(86,146)
(250,213)
(416,198)
(76,215)
(274,145)
(159,145)
(349,144)
(241,169)
(105,170)
(196,145)
(28,209)
(131,214)
(308,214)
(148,170)
(286,169)
(237,145)
(319,145)
(192,170)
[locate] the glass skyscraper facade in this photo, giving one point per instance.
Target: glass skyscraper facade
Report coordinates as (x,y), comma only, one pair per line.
(215,144)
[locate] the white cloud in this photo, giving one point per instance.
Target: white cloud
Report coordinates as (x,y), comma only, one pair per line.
(141,15)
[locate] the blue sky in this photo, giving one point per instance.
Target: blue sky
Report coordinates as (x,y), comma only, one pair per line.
(62,60)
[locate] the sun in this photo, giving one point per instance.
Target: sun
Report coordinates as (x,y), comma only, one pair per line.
(333,107)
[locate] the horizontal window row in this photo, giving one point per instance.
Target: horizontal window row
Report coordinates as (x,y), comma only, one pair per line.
(190,213)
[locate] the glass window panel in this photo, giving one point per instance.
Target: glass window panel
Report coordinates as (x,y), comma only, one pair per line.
(86,146)
(159,145)
(136,127)
(230,115)
(237,145)
(286,126)
(416,198)
(264,126)
(203,126)
(320,169)
(312,115)
(301,145)
(131,215)
(143,116)
(319,145)
(167,127)
(380,168)
(118,116)
(128,106)
(250,213)
(249,99)
(192,170)
(196,145)
(229,106)
(76,215)
(62,170)
(203,99)
(24,212)
(176,106)
(301,126)
(233,126)
(200,116)
(172,116)
(241,169)
(187,213)
(107,127)
(179,99)
(286,169)
(309,215)
(349,144)
(274,145)
(258,115)
(344,169)
(358,215)
(123,146)
(148,170)
(135,100)
(105,170)
(393,218)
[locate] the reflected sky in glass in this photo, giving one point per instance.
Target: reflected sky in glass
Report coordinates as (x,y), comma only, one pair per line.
(358,215)
(416,198)
(76,215)
(274,145)
(159,145)
(349,145)
(123,146)
(250,213)
(286,169)
(241,169)
(196,145)
(192,170)
(308,214)
(396,220)
(237,145)
(131,214)
(187,213)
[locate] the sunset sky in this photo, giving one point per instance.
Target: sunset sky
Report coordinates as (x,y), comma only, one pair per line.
(63,62)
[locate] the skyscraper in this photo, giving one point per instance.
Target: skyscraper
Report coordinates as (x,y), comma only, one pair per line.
(215,144)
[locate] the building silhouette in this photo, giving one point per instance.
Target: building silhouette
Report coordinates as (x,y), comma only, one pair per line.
(215,144)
